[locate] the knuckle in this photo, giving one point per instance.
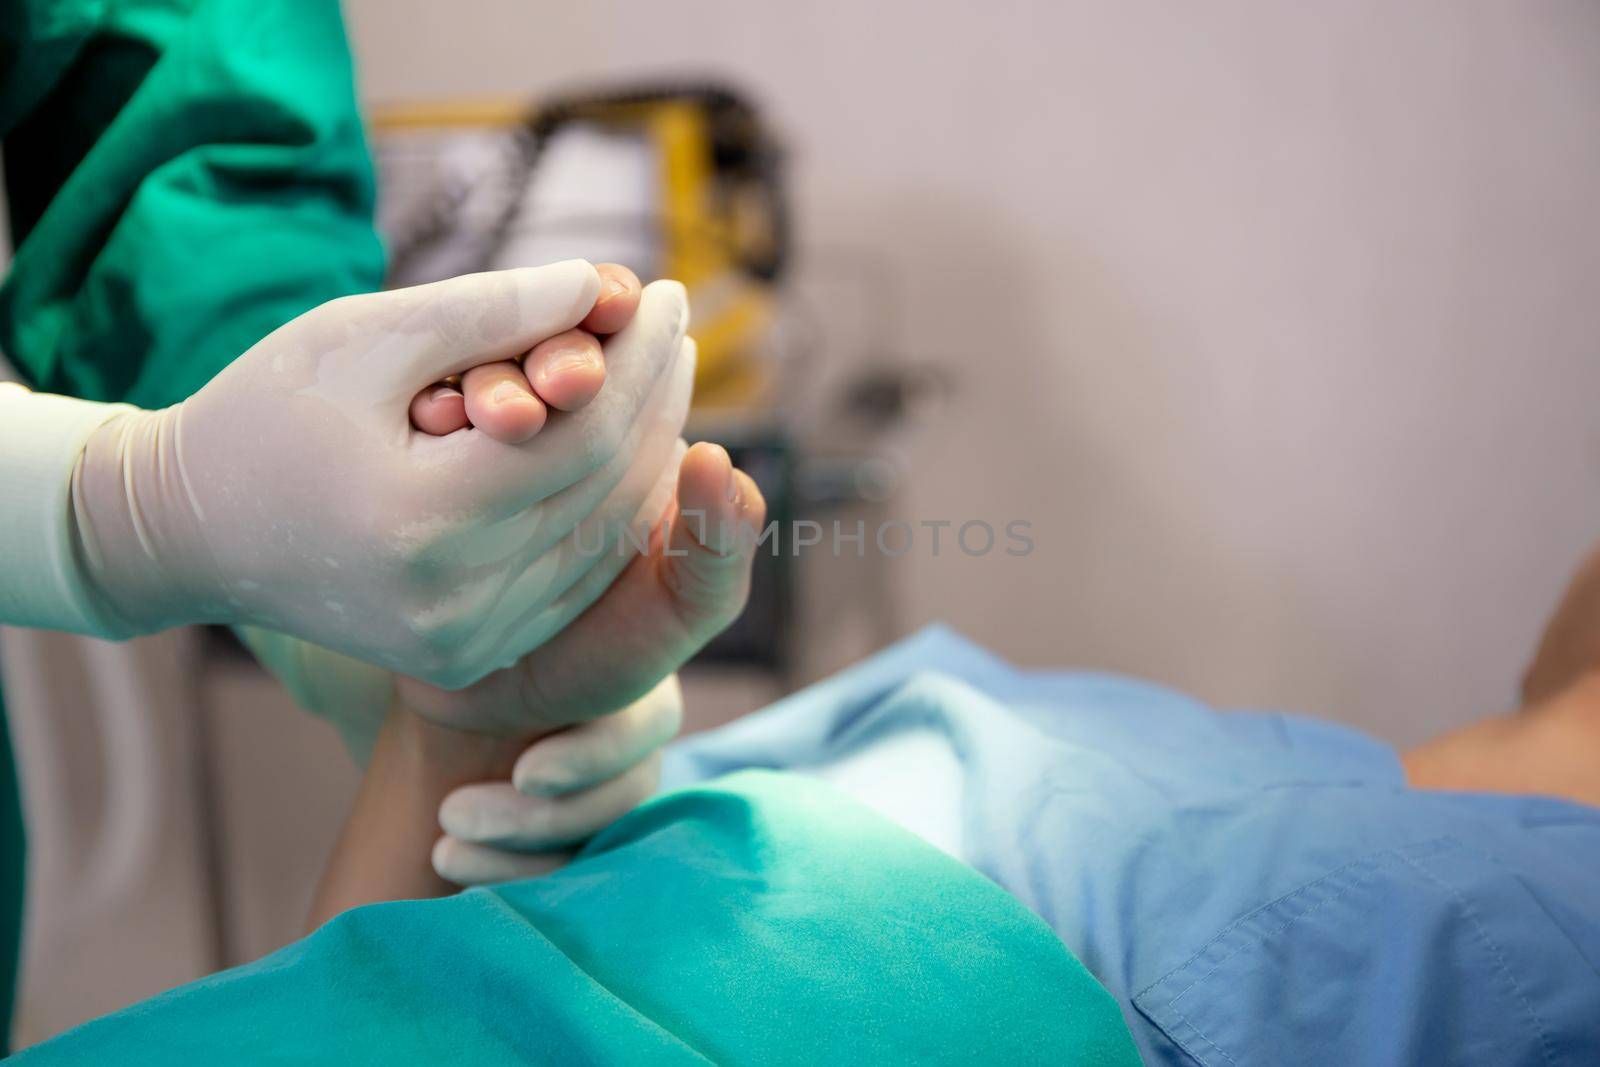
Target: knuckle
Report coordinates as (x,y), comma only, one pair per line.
(339,307)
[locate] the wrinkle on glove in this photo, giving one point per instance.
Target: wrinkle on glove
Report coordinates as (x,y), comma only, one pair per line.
(761,919)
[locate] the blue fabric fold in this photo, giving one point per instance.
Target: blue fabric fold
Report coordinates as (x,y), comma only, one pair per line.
(1253,887)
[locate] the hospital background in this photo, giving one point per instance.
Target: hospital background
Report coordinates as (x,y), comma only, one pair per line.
(1277,322)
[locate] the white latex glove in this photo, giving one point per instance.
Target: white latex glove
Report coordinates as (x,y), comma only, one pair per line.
(662,610)
(354,696)
(566,787)
(292,493)
(598,763)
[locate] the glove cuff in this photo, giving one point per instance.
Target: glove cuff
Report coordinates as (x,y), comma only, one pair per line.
(139,538)
(44,583)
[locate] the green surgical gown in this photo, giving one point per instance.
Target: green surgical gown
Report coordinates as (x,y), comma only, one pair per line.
(182,177)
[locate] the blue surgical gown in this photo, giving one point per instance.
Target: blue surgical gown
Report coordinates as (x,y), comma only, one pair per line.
(1253,888)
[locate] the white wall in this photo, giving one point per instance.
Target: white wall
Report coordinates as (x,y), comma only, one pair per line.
(1279,321)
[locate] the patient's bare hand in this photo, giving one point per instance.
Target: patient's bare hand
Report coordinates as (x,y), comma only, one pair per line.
(510,400)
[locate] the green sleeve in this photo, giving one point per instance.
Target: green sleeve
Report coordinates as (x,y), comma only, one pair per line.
(192,176)
(182,178)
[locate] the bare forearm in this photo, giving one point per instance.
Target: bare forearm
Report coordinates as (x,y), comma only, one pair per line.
(384,850)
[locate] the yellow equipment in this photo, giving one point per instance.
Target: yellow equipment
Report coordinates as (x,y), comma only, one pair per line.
(718,222)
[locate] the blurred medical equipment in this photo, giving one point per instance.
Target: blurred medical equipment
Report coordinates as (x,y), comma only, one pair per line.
(676,182)
(682,180)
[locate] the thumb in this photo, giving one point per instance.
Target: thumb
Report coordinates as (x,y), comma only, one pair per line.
(662,609)
(410,338)
(705,566)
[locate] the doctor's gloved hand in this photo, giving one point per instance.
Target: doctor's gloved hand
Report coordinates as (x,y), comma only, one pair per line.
(562,789)
(598,701)
(590,762)
(509,401)
(293,492)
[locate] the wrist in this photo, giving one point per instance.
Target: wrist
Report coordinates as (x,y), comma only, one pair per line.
(135,531)
(443,755)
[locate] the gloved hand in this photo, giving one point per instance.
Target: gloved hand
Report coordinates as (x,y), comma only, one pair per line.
(566,788)
(662,610)
(292,493)
(591,763)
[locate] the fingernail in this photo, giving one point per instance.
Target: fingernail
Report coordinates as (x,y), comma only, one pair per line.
(444,392)
(733,484)
(567,360)
(615,287)
(505,391)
